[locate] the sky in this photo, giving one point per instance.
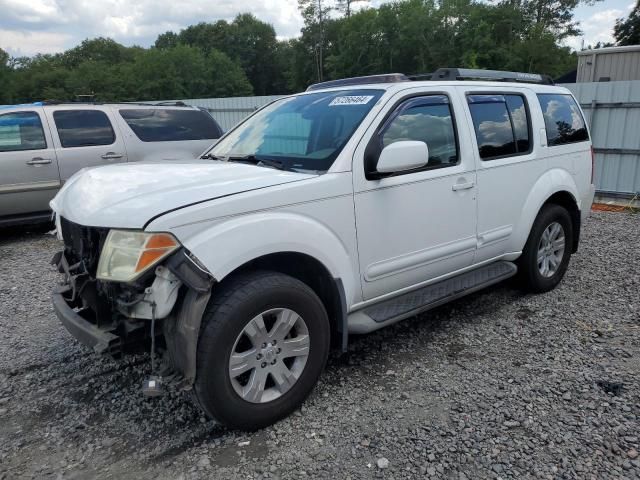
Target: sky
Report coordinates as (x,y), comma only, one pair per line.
(28,27)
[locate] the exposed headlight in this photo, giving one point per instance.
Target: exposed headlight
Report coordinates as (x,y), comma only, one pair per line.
(127,254)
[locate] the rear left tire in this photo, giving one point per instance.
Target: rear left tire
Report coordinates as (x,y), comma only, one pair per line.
(545,257)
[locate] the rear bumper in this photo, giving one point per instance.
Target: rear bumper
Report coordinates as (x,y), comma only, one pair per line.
(101,341)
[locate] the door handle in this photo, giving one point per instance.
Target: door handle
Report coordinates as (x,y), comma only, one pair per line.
(38,161)
(111,156)
(462,186)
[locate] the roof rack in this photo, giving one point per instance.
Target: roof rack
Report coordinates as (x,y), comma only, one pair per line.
(82,102)
(493,75)
(439,74)
(383,78)
(170,103)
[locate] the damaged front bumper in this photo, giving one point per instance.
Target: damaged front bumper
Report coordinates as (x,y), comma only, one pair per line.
(107,316)
(101,340)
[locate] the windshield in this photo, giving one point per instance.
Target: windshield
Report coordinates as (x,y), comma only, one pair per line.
(303,133)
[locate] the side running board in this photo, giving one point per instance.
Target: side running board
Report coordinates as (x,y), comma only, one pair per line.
(431,296)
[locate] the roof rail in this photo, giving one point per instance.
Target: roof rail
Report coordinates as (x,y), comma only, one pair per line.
(383,78)
(494,75)
(170,103)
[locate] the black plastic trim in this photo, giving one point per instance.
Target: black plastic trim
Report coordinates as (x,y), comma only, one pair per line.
(84,331)
(188,272)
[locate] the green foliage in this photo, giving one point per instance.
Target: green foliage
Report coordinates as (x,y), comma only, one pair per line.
(134,74)
(244,56)
(627,32)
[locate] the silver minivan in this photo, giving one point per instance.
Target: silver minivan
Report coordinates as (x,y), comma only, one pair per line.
(43,144)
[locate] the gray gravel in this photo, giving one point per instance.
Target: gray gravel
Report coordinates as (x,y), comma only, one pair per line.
(496,385)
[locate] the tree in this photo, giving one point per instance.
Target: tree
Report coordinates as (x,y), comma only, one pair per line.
(345,6)
(249,42)
(5,77)
(167,40)
(315,14)
(97,49)
(253,45)
(244,56)
(183,72)
(627,32)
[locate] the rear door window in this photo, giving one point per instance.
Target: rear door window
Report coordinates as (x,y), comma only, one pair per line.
(169,125)
(563,120)
(21,131)
(501,123)
(83,128)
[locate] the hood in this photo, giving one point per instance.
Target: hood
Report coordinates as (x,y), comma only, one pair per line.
(129,195)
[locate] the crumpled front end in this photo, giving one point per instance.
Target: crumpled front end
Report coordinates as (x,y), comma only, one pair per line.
(110,316)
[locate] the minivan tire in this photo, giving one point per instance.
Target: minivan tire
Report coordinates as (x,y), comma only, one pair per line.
(232,309)
(532,279)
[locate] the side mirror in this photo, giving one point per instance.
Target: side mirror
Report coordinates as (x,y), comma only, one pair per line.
(402,156)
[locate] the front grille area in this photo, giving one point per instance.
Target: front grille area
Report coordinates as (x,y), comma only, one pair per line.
(83,244)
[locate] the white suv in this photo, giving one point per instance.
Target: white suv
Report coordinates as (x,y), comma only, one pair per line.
(43,144)
(340,210)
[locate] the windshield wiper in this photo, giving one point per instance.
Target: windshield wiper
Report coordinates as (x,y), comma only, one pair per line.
(209,156)
(257,161)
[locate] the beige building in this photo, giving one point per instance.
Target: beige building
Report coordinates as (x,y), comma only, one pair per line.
(611,64)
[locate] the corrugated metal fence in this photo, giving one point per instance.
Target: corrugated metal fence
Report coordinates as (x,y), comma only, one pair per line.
(613,113)
(612,110)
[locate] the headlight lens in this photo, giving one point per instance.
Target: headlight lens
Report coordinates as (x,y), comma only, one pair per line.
(127,254)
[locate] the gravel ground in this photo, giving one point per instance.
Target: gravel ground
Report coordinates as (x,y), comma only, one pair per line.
(496,385)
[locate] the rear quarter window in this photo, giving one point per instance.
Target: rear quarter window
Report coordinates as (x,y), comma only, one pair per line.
(167,125)
(563,120)
(501,123)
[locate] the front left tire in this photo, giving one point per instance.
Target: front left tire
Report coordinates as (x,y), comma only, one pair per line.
(263,344)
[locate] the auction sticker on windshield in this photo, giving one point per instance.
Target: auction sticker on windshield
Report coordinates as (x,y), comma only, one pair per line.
(351,100)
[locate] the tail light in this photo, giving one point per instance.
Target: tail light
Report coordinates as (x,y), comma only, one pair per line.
(593,164)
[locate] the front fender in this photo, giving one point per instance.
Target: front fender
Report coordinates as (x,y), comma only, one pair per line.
(232,242)
(551,182)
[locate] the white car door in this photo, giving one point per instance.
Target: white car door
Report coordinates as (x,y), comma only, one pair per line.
(417,225)
(509,161)
(29,176)
(85,136)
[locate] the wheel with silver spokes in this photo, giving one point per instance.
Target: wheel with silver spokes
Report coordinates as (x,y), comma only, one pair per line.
(269,355)
(551,250)
(263,344)
(546,254)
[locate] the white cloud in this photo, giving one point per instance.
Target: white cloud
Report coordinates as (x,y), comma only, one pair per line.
(46,26)
(25,43)
(597,28)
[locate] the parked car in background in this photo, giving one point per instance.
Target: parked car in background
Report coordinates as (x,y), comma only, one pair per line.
(43,144)
(338,211)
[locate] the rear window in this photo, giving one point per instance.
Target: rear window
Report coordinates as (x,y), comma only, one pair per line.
(563,120)
(166,125)
(83,128)
(501,123)
(21,131)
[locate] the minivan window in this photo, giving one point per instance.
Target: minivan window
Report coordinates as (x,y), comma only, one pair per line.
(171,125)
(501,123)
(83,128)
(562,118)
(303,132)
(21,131)
(427,119)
